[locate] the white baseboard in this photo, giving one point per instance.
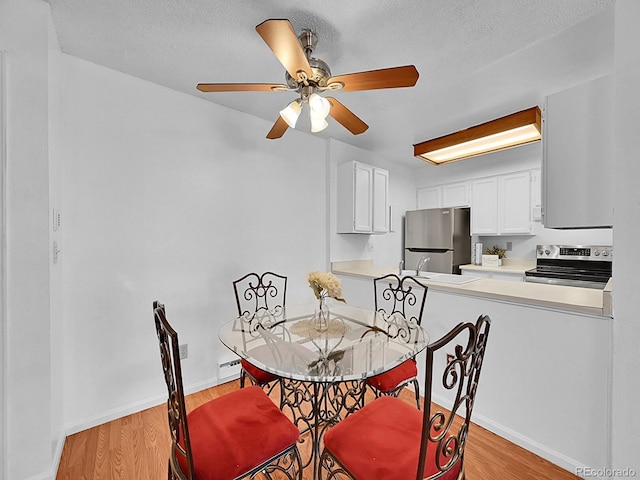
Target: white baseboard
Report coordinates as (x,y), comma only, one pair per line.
(135,407)
(555,457)
(44,476)
(57,455)
(55,462)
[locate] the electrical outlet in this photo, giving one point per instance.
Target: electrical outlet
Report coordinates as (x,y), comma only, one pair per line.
(229,369)
(509,246)
(184,351)
(56,252)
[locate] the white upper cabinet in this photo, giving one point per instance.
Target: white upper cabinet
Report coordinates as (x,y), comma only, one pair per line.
(501,205)
(363,198)
(578,156)
(484,206)
(380,207)
(514,203)
(456,194)
(444,196)
(429,197)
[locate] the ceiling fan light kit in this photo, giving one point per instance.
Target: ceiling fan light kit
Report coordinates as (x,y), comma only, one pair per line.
(291,112)
(510,131)
(318,106)
(309,75)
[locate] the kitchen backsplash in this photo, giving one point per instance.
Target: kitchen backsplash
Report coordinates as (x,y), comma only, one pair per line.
(524,246)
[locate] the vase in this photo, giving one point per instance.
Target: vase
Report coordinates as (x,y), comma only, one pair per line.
(321,323)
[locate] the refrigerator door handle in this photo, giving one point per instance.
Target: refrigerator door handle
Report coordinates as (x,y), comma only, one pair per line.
(428,250)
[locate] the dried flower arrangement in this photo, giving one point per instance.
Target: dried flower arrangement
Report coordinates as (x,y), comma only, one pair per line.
(496,250)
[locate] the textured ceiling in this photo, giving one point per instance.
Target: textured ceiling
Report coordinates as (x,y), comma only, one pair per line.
(477,58)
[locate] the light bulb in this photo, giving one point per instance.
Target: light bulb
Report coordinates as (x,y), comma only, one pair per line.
(291,113)
(318,124)
(319,106)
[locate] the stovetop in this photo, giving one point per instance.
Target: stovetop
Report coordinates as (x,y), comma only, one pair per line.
(577,264)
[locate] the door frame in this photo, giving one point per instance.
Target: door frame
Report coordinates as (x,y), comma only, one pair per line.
(3,266)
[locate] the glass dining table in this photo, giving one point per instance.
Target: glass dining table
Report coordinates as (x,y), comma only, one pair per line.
(323,372)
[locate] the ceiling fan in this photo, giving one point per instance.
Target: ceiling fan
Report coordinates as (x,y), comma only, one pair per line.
(308,75)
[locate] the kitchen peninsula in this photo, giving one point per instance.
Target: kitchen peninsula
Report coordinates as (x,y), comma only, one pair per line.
(572,299)
(548,363)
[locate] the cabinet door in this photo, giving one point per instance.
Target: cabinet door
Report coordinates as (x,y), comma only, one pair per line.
(380,200)
(429,197)
(578,153)
(536,188)
(484,206)
(514,200)
(363,198)
(455,195)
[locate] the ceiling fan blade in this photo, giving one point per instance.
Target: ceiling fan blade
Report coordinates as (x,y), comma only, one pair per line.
(278,129)
(241,87)
(283,41)
(394,77)
(346,117)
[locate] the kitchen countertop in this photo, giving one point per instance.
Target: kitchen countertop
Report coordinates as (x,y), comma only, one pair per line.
(573,299)
(509,265)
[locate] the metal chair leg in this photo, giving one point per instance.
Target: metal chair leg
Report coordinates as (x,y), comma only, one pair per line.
(416,388)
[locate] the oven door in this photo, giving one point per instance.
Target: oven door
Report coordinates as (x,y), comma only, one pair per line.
(568,282)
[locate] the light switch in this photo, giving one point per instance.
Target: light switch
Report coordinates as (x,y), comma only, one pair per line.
(56,220)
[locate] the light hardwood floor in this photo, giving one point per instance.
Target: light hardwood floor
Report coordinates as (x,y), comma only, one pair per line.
(136,446)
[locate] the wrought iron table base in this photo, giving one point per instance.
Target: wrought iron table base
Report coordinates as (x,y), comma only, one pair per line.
(315,407)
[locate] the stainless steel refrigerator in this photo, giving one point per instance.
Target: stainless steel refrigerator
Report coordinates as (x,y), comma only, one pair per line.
(440,234)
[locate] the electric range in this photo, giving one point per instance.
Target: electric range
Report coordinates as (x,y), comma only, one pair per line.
(587,266)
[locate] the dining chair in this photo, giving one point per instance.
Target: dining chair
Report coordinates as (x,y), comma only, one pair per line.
(254,294)
(238,435)
(390,439)
(404,296)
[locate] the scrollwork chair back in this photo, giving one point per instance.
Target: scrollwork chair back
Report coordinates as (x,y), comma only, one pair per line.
(177,412)
(405,296)
(255,292)
(393,427)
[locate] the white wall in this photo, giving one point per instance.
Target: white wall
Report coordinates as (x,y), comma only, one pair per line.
(169,197)
(386,249)
(30,415)
(626,333)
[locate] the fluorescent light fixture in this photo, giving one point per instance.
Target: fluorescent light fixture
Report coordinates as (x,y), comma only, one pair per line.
(505,132)
(291,113)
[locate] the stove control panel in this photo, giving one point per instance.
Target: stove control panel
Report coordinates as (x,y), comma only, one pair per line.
(575,252)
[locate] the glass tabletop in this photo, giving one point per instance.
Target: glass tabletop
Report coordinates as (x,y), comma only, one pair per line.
(357,344)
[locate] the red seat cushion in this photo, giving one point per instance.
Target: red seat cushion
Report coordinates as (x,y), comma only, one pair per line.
(387,381)
(382,441)
(232,434)
(260,376)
